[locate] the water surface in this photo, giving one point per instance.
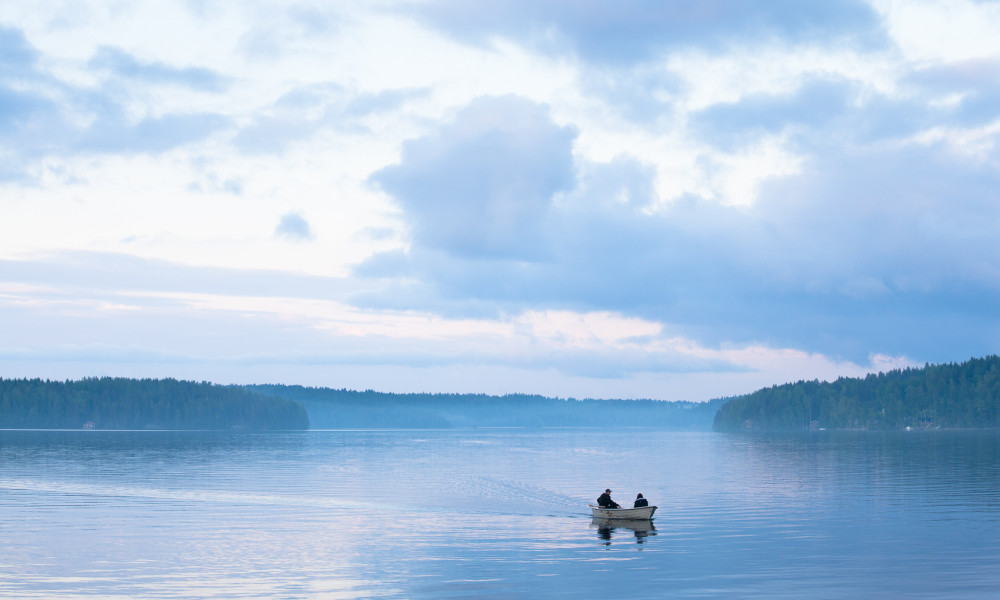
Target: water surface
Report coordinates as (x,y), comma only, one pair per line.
(497,514)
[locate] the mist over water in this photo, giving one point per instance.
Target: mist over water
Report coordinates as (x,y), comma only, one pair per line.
(496,514)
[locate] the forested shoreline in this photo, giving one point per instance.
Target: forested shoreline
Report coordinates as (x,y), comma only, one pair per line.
(948,396)
(121,403)
(953,396)
(348,409)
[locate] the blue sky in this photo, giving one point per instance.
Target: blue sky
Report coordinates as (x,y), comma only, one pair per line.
(673,200)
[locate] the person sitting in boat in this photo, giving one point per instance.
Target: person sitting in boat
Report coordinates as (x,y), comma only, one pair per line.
(640,502)
(605,501)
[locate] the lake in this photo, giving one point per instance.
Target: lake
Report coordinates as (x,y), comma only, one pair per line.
(502,513)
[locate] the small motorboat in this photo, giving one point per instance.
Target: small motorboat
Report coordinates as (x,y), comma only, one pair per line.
(641,513)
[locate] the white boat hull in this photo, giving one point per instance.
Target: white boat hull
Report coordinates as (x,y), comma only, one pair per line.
(644,512)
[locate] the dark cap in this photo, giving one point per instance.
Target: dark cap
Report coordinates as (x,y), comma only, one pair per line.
(607,491)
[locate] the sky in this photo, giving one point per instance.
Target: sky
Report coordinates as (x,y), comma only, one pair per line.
(677,200)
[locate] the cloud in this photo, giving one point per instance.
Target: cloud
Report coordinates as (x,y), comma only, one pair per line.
(295,116)
(821,114)
(365,104)
(123,64)
(815,104)
(31,120)
(638,30)
(41,115)
(74,321)
(93,308)
(306,111)
(115,133)
(481,185)
(31,125)
(967,92)
(293,227)
(76,270)
(282,29)
(861,252)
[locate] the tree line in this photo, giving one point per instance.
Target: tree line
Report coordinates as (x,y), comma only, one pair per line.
(952,395)
(348,409)
(120,403)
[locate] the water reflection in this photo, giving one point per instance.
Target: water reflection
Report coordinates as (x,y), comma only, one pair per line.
(640,528)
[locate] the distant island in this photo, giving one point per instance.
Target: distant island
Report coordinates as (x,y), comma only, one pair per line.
(948,396)
(119,403)
(349,409)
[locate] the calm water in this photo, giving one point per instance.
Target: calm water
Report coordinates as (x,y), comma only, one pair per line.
(497,514)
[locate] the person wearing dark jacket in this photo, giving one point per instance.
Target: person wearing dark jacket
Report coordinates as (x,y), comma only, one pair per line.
(640,502)
(605,501)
